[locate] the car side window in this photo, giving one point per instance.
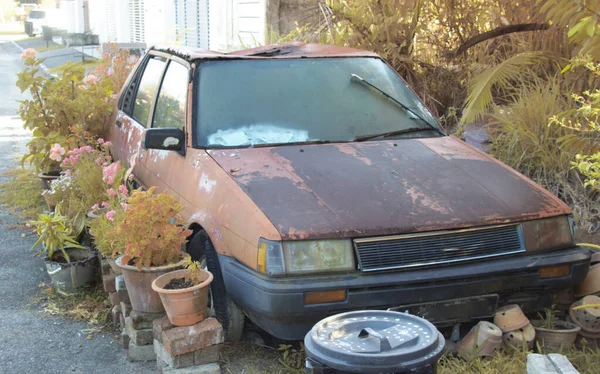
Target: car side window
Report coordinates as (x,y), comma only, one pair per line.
(148,88)
(172,98)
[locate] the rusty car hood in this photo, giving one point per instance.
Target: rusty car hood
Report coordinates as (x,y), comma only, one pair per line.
(383,187)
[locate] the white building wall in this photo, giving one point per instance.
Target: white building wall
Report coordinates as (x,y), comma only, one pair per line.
(71,13)
(249,23)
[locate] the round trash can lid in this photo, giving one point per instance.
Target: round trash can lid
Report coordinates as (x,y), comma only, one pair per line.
(374,341)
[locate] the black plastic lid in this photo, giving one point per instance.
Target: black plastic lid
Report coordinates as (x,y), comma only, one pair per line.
(374,341)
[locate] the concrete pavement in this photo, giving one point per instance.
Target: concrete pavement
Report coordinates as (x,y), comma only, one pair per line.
(30,342)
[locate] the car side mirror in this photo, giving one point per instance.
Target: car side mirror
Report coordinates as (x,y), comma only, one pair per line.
(170,139)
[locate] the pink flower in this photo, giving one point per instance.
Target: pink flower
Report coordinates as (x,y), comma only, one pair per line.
(110,71)
(90,79)
(99,161)
(111,192)
(100,140)
(104,164)
(110,215)
(109,172)
(56,152)
(124,191)
(28,53)
(104,204)
(67,172)
(108,144)
(125,206)
(95,206)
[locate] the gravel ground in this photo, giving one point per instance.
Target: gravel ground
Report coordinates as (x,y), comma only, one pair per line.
(31,342)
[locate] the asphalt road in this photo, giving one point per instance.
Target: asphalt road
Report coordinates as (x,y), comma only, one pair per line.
(31,342)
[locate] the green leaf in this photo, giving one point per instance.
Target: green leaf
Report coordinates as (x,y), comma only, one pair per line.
(591,28)
(578,26)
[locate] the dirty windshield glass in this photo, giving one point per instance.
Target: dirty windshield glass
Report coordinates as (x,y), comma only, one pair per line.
(272,101)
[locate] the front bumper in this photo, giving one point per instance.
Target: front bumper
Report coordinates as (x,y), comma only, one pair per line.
(277,304)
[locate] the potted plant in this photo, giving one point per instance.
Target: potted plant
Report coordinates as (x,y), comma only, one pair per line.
(152,245)
(70,265)
(184,293)
(554,335)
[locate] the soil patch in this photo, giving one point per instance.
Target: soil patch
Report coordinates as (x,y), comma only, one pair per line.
(178,284)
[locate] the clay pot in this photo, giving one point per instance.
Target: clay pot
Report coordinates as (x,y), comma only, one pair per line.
(591,283)
(510,318)
(595,258)
(484,339)
(139,285)
(185,306)
(588,319)
(560,338)
(520,337)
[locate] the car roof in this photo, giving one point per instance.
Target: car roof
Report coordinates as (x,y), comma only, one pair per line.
(284,50)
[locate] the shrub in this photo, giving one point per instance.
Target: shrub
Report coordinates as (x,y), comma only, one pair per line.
(149,231)
(55,234)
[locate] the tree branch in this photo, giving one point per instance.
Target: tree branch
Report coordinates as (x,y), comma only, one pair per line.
(499,31)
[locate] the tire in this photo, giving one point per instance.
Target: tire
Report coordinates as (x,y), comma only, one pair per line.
(226,310)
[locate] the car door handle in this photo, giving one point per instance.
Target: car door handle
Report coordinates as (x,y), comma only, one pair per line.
(119,123)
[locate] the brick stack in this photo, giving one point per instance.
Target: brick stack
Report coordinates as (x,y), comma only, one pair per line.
(137,335)
(188,349)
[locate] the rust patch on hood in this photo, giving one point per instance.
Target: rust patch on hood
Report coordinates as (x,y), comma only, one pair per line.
(383,187)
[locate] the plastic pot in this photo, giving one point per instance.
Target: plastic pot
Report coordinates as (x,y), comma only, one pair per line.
(47,178)
(373,341)
(139,285)
(67,278)
(186,306)
(554,340)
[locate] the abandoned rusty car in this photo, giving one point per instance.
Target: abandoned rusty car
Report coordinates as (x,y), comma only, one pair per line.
(316,182)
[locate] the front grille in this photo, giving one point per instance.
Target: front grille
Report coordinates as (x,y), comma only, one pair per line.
(436,248)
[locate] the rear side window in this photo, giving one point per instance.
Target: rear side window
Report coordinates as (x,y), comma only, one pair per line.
(172,99)
(147,89)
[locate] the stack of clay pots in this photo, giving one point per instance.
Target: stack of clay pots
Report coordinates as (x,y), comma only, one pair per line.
(516,329)
(483,340)
(588,319)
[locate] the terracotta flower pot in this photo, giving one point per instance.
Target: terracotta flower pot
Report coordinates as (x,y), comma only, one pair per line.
(185,306)
(591,283)
(589,318)
(561,337)
(484,339)
(139,285)
(510,318)
(520,337)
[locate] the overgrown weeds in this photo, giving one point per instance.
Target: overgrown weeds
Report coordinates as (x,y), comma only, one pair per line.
(22,193)
(90,306)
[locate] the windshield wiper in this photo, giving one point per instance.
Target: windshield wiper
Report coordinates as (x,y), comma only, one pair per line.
(361,80)
(392,133)
(295,143)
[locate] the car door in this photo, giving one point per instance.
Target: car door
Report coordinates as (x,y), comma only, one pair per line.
(135,113)
(165,168)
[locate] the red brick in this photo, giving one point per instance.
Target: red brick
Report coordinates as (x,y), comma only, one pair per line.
(160,325)
(108,281)
(185,339)
(114,298)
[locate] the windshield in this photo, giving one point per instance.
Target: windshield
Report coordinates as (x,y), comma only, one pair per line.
(274,101)
(37,14)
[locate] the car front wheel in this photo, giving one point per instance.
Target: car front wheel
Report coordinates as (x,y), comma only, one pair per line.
(226,310)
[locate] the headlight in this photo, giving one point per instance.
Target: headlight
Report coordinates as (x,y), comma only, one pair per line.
(548,234)
(305,256)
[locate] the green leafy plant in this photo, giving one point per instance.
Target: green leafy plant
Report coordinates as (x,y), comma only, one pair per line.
(149,231)
(56,106)
(54,234)
(194,269)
